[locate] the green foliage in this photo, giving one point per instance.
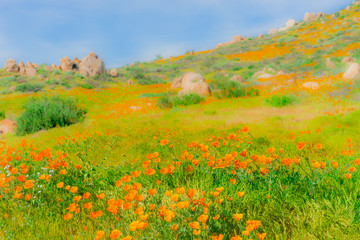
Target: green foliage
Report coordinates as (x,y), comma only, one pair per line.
(48,112)
(232,89)
(281,101)
(169,101)
(187,99)
(29,87)
(150,95)
(2,114)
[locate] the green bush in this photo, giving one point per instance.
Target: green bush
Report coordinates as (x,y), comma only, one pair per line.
(232,89)
(169,101)
(187,99)
(29,87)
(47,112)
(281,101)
(2,114)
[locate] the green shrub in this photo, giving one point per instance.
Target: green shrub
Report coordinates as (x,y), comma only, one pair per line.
(2,114)
(47,112)
(29,87)
(187,99)
(281,101)
(168,101)
(165,101)
(232,89)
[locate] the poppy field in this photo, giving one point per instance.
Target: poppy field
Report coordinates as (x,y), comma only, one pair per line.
(279,163)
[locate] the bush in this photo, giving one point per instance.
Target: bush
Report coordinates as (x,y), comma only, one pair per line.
(187,99)
(169,101)
(48,112)
(2,114)
(281,101)
(29,87)
(232,89)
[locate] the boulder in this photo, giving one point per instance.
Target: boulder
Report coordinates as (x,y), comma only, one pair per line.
(356,20)
(31,71)
(273,31)
(347,60)
(91,66)
(52,67)
(309,17)
(283,29)
(238,78)
(352,72)
(36,65)
(265,75)
(11,66)
(260,36)
(66,64)
(114,73)
(22,70)
(220,45)
(237,38)
(321,14)
(176,83)
(130,82)
(7,126)
(311,85)
(290,23)
(281,72)
(329,63)
(47,68)
(194,83)
(76,61)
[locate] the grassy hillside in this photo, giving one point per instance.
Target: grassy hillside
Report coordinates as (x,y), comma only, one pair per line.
(269,159)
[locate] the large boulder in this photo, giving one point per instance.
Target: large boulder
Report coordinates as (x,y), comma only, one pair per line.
(22,70)
(176,83)
(273,31)
(52,67)
(194,83)
(66,64)
(11,66)
(237,38)
(91,66)
(347,59)
(352,72)
(309,17)
(30,70)
(265,76)
(114,73)
(290,23)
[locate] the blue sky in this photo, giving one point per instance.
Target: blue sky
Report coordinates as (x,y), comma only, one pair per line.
(121,32)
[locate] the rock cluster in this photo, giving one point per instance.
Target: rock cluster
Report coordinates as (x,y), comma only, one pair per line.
(191,83)
(90,66)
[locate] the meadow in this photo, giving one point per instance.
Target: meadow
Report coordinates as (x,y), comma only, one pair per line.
(272,159)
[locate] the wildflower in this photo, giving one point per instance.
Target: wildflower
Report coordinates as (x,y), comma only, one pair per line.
(152,192)
(73,189)
(245,129)
(86,195)
(100,196)
(194,225)
(88,205)
(115,234)
(347,175)
(240,194)
(100,234)
(300,145)
(68,216)
(174,227)
(28,184)
(318,146)
(237,217)
(60,185)
(118,183)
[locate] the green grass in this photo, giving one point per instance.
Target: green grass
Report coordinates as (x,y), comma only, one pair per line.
(281,101)
(45,112)
(169,101)
(29,87)
(2,114)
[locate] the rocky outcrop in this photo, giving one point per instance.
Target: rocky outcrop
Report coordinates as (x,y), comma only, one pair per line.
(91,66)
(176,83)
(273,31)
(290,23)
(11,66)
(309,17)
(66,64)
(194,83)
(352,72)
(114,73)
(30,70)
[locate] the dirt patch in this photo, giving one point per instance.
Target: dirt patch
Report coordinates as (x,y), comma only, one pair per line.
(7,126)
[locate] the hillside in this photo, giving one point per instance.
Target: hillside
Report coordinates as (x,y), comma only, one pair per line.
(257,138)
